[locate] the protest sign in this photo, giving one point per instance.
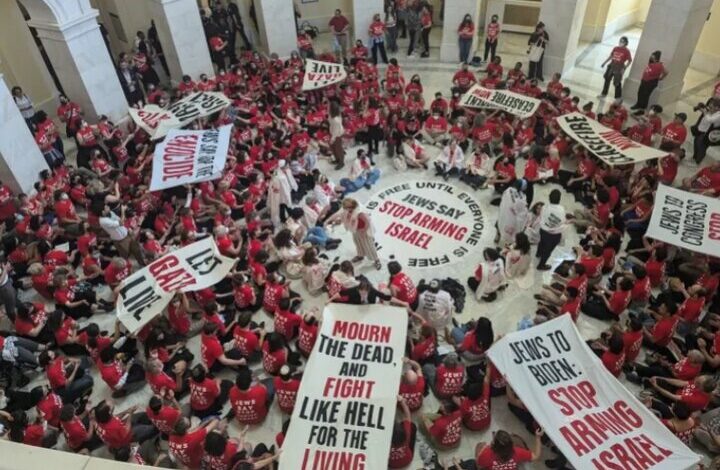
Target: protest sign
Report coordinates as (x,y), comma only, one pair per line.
(146,293)
(504,100)
(345,408)
(686,219)
(158,121)
(321,74)
(185,157)
(607,144)
(591,417)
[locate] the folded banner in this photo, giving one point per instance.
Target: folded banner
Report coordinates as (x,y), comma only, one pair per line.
(607,144)
(321,74)
(185,157)
(146,293)
(687,220)
(590,416)
(504,100)
(345,408)
(158,121)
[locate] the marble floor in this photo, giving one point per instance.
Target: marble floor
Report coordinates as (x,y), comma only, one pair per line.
(513,304)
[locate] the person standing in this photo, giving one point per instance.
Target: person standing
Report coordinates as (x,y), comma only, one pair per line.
(466,33)
(491,38)
(152,36)
(24,104)
(130,83)
(377,39)
(620,58)
(337,131)
(709,120)
(339,26)
(357,221)
(236,19)
(412,19)
(536,50)
(124,240)
(552,223)
(391,29)
(8,294)
(426,23)
(653,73)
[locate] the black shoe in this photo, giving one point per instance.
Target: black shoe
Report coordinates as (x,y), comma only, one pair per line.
(544,267)
(367,186)
(339,166)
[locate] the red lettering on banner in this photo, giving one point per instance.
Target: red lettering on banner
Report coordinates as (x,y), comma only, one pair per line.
(409,235)
(152,120)
(362,331)
(332,460)
(616,138)
(482,94)
(170,279)
(633,452)
(348,388)
(179,156)
(714,226)
(578,397)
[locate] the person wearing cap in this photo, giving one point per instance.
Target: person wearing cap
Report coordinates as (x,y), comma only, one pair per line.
(620,58)
(674,133)
(709,120)
(653,73)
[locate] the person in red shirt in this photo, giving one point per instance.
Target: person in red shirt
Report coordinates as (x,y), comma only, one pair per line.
(307,334)
(654,72)
(475,406)
(502,453)
(68,377)
(447,379)
(473,339)
(212,352)
(706,181)
(79,434)
(401,285)
(220,451)
(632,339)
(605,305)
(251,402)
(123,379)
(412,385)
(444,430)
(674,133)
(49,407)
(619,58)
(163,417)
(286,386)
(207,394)
(402,443)
(186,445)
(463,79)
(423,349)
(118,431)
(275,353)
(612,355)
(376,32)
(491,38)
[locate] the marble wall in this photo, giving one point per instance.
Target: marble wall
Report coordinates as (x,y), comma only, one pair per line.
(563,22)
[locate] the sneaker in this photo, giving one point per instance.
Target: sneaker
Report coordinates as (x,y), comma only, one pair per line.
(427,454)
(601,96)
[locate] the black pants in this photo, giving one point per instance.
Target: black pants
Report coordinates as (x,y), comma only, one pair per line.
(548,242)
(374,136)
(219,402)
(379,45)
(490,48)
(425,38)
(535,69)
(595,307)
(615,76)
(413,37)
(699,147)
(644,92)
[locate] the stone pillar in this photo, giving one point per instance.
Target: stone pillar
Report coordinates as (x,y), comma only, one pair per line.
(20,157)
(278,31)
(181,34)
(673,28)
(455,11)
(563,22)
(363,11)
(82,63)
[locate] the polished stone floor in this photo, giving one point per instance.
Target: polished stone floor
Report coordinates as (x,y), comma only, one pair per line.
(513,304)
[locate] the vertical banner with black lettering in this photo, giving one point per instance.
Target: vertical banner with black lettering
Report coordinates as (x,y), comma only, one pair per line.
(686,219)
(186,157)
(345,409)
(587,413)
(145,293)
(321,74)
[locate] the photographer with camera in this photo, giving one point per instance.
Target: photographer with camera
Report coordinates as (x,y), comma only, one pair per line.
(709,120)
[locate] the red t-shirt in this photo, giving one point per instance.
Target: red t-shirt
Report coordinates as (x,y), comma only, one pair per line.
(694,398)
(632,341)
(286,323)
(165,419)
(664,330)
(613,362)
(203,394)
(675,132)
(686,370)
(250,405)
(447,430)
(160,381)
(115,434)
(653,71)
(286,393)
(401,456)
(188,449)
(273,361)
(413,394)
(306,337)
(476,414)
(487,460)
(338,23)
(621,54)
(75,433)
(210,349)
(111,373)
(246,341)
(50,407)
(449,382)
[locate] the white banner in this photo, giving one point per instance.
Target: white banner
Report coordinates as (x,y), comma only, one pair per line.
(607,144)
(321,74)
(504,100)
(590,416)
(686,219)
(185,157)
(146,293)
(345,409)
(158,121)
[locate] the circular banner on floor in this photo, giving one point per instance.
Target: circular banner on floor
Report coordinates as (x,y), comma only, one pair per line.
(425,224)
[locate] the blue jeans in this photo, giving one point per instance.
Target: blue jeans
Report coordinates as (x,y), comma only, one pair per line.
(317,236)
(465,45)
(371,177)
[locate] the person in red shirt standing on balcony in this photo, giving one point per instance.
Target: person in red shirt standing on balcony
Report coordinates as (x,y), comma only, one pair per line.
(653,73)
(491,38)
(620,58)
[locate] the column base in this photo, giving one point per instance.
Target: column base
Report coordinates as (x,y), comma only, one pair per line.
(450,52)
(663,95)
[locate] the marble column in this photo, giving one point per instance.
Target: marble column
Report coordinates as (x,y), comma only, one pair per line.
(182,37)
(362,14)
(673,28)
(455,11)
(278,31)
(82,63)
(20,157)
(563,22)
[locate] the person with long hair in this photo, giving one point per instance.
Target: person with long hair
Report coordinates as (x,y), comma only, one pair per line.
(473,338)
(357,221)
(502,451)
(652,75)
(517,256)
(466,33)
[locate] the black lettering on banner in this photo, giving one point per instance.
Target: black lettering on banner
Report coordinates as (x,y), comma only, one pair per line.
(137,302)
(546,357)
(205,257)
(185,111)
(203,171)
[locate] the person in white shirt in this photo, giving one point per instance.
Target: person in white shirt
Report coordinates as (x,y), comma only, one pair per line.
(478,168)
(710,119)
(436,306)
(450,162)
(512,213)
(362,174)
(125,243)
(552,224)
